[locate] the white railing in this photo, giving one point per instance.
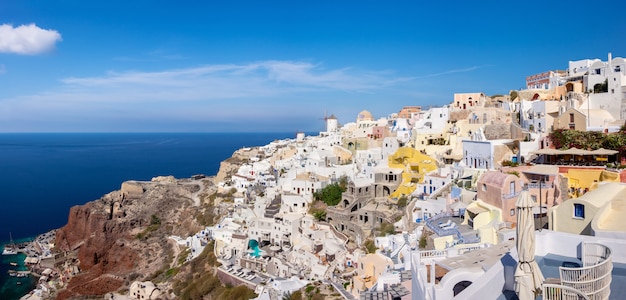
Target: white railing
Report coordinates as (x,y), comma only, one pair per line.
(561,292)
(432,253)
(467,249)
(594,278)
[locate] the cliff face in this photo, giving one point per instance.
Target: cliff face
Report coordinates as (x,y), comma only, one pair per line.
(232,164)
(123,236)
(101,250)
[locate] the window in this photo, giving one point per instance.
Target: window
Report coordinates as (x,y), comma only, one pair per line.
(571,118)
(579,211)
(512,211)
(534,197)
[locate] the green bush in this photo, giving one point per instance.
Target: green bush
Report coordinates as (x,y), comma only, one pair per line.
(370,246)
(423,242)
(331,194)
(319,214)
(386,228)
(402,202)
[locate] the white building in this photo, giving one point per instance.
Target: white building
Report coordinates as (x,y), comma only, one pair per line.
(606,82)
(144,290)
(478,152)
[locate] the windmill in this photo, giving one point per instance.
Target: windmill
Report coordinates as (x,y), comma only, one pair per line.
(330,122)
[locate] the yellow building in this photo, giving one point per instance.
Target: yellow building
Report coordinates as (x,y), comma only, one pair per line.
(583,180)
(414,165)
(484,218)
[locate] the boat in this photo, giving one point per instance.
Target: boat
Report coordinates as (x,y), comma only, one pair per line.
(13,264)
(9,249)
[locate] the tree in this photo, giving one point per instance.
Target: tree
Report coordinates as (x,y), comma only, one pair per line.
(331,194)
(370,246)
(297,295)
(402,201)
(319,215)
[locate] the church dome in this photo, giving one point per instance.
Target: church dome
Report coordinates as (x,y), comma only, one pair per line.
(365,116)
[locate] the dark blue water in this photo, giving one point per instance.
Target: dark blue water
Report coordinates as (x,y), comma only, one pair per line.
(42,175)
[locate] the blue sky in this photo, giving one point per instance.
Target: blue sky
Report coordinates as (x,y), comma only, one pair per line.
(133,66)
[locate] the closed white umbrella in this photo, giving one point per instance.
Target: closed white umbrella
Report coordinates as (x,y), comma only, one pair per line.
(528,277)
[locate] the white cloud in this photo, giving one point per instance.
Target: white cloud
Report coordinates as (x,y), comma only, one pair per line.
(454,71)
(266,90)
(238,80)
(27,39)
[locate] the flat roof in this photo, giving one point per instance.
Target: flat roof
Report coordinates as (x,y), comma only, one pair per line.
(542,170)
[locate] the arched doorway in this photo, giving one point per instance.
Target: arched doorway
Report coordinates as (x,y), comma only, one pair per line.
(459,287)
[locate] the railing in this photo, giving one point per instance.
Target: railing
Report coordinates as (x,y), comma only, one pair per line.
(432,253)
(542,185)
(466,249)
(340,235)
(511,195)
(561,292)
(594,278)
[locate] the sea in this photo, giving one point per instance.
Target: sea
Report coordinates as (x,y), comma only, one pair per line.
(42,175)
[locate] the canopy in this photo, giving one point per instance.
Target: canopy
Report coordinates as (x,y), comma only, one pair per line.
(528,277)
(575,151)
(603,151)
(542,170)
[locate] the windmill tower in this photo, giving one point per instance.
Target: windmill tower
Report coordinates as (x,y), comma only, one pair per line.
(331,122)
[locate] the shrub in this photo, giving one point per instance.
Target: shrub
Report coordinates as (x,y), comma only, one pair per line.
(386,228)
(402,201)
(423,242)
(370,246)
(508,163)
(331,194)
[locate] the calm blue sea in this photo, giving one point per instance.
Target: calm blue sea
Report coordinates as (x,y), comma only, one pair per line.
(42,175)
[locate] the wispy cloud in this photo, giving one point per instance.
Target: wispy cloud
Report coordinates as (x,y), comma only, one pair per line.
(453,71)
(238,80)
(27,39)
(228,92)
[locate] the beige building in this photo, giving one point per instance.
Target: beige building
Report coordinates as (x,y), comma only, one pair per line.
(576,215)
(468,100)
(610,221)
(572,119)
(587,120)
(370,268)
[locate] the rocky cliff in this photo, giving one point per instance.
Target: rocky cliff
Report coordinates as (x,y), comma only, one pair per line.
(124,235)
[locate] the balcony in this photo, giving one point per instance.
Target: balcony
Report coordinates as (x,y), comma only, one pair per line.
(510,195)
(543,185)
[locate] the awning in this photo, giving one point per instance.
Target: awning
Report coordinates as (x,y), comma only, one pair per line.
(576,151)
(476,210)
(548,152)
(542,170)
(603,151)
